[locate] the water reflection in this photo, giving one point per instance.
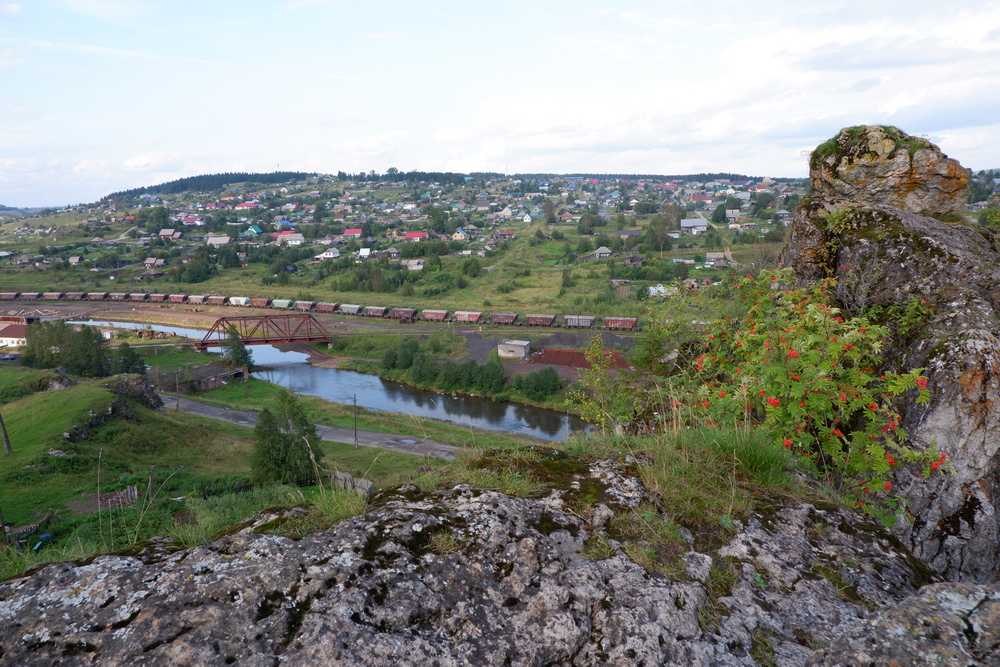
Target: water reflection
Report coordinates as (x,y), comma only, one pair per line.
(290,370)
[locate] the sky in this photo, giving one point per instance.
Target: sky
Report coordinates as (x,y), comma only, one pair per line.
(102,95)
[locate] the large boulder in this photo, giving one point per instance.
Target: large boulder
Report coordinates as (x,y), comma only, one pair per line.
(881,220)
(466,577)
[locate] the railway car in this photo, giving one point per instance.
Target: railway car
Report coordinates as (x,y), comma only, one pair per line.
(539,320)
(281,304)
(434,315)
(52,296)
(579,321)
(177,298)
(304,306)
(260,301)
(504,319)
(621,323)
(467,316)
(118,296)
(9,296)
(30,296)
(375,311)
(97,296)
(216,300)
(157,297)
(138,297)
(74,296)
(324,307)
(197,298)
(349,309)
(403,314)
(239,301)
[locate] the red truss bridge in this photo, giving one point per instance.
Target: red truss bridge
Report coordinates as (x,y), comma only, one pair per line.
(265,330)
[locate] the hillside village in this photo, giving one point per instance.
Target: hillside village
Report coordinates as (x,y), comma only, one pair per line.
(406,224)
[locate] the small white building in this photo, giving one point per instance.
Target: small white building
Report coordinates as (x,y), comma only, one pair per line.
(413,264)
(13,334)
(217,241)
(514,349)
(329,253)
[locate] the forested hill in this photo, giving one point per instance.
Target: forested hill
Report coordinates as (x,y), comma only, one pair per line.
(212,182)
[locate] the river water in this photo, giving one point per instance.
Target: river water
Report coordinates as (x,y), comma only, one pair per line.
(292,370)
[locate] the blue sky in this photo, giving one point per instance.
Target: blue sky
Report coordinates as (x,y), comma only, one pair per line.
(99,95)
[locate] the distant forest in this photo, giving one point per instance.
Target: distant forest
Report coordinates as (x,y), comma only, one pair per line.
(212,182)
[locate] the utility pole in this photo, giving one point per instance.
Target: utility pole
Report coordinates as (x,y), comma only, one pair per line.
(6,439)
(355,420)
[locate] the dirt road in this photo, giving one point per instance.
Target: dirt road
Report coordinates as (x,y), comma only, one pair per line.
(405,444)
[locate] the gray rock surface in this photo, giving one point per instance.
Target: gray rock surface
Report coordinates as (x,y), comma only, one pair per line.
(885,250)
(508,586)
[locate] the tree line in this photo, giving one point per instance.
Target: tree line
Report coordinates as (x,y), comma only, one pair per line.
(80,351)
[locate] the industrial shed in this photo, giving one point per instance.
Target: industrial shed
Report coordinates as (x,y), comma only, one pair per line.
(514,349)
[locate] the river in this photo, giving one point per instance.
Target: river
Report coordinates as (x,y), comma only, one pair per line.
(292,370)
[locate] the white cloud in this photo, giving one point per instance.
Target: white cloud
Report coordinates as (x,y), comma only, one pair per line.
(107,9)
(10,8)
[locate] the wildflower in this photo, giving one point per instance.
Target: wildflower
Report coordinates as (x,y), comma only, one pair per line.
(761,392)
(922,383)
(699,363)
(837,432)
(873,406)
(935,465)
(773,402)
(793,354)
(795,377)
(787,442)
(890,459)
(722,393)
(838,319)
(843,397)
(705,404)
(848,347)
(887,486)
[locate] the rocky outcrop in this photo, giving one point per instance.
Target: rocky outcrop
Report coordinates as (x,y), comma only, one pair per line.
(466,577)
(946,624)
(881,220)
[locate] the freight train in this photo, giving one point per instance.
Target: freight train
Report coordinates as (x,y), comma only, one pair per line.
(402,314)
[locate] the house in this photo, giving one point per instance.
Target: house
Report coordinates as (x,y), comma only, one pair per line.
(153,263)
(13,334)
(733,214)
(391,253)
(169,235)
(413,264)
(364,253)
(329,253)
(694,225)
(253,231)
(288,238)
(633,261)
(75,260)
(661,291)
(603,252)
(514,349)
(415,236)
(352,233)
(217,241)
(527,218)
(460,235)
(627,234)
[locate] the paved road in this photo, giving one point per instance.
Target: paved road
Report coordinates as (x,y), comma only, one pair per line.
(391,441)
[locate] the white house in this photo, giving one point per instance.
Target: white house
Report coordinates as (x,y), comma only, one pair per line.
(13,334)
(514,349)
(217,241)
(694,225)
(413,264)
(329,253)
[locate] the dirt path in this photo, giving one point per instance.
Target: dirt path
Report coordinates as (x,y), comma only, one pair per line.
(405,444)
